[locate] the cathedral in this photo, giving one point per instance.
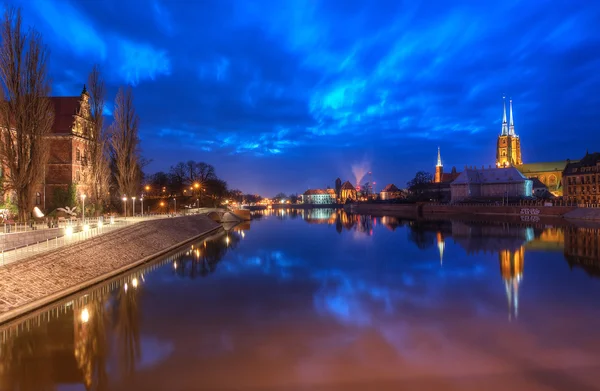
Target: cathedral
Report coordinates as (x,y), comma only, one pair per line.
(508,154)
(508,147)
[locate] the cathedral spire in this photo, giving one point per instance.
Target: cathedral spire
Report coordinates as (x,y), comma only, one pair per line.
(439,161)
(504,124)
(511,129)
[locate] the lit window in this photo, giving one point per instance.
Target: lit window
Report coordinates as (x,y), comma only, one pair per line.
(78,155)
(38,198)
(78,176)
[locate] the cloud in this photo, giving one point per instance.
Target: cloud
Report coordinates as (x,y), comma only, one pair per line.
(392,79)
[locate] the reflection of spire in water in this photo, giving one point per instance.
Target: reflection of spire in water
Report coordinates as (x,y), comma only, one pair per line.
(511,268)
(441,244)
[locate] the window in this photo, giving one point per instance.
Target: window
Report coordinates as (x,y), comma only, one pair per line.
(552,179)
(78,176)
(38,198)
(78,155)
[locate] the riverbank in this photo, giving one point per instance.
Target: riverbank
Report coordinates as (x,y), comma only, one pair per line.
(35,282)
(424,209)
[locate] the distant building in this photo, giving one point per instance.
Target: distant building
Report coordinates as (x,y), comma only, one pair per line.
(581,179)
(347,192)
(549,173)
(318,196)
(440,176)
(489,184)
(508,146)
(539,189)
(508,154)
(390,192)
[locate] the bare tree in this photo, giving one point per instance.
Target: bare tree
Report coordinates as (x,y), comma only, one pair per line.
(99,179)
(26,113)
(124,144)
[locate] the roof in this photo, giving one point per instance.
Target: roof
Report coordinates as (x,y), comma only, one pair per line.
(490,175)
(391,188)
(347,186)
(449,176)
(537,184)
(589,160)
(65,107)
(318,191)
(542,167)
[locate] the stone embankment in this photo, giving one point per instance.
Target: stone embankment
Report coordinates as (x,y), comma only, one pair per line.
(37,281)
(424,209)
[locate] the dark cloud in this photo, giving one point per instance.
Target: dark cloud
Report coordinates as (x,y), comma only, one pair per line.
(286,95)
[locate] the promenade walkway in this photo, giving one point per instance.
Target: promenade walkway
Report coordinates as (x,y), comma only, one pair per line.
(17,254)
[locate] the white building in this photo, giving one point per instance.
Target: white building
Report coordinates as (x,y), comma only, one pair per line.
(318,196)
(490,183)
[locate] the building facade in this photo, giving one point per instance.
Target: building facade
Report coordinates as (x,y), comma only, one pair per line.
(319,196)
(491,183)
(70,141)
(390,192)
(347,192)
(548,173)
(68,161)
(581,180)
(508,146)
(440,176)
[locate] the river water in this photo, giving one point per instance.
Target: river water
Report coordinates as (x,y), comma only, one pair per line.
(324,300)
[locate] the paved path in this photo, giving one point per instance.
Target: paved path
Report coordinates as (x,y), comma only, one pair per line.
(34,249)
(37,281)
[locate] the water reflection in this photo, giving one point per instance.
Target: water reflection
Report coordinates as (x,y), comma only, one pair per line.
(76,341)
(327,297)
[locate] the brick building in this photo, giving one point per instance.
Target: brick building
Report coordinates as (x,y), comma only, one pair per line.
(580,179)
(68,161)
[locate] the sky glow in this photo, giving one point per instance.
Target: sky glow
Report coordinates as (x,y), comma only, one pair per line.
(283,96)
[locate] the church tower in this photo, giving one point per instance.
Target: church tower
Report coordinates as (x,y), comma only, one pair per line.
(508,147)
(439,169)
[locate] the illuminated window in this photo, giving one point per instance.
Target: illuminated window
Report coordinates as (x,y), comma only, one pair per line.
(38,198)
(78,176)
(78,155)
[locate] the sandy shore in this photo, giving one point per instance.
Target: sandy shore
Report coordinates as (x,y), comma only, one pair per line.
(32,283)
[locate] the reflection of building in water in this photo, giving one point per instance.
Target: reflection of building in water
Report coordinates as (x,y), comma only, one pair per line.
(550,239)
(582,249)
(320,216)
(511,268)
(441,244)
(391,223)
(506,240)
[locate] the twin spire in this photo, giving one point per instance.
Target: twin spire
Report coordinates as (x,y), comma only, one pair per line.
(507,129)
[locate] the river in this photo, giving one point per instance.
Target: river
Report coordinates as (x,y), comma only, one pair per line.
(324,300)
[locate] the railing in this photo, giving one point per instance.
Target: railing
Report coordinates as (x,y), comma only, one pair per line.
(79,232)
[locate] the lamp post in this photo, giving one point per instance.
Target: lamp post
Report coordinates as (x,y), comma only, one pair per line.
(125,206)
(142,201)
(132,206)
(83,208)
(175,206)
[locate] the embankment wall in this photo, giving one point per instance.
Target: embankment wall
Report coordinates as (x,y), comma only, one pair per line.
(40,280)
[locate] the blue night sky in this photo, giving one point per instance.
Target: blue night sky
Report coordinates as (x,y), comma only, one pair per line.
(287,95)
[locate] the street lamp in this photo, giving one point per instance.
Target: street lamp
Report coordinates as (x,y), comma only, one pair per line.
(132,206)
(125,206)
(142,201)
(83,208)
(175,201)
